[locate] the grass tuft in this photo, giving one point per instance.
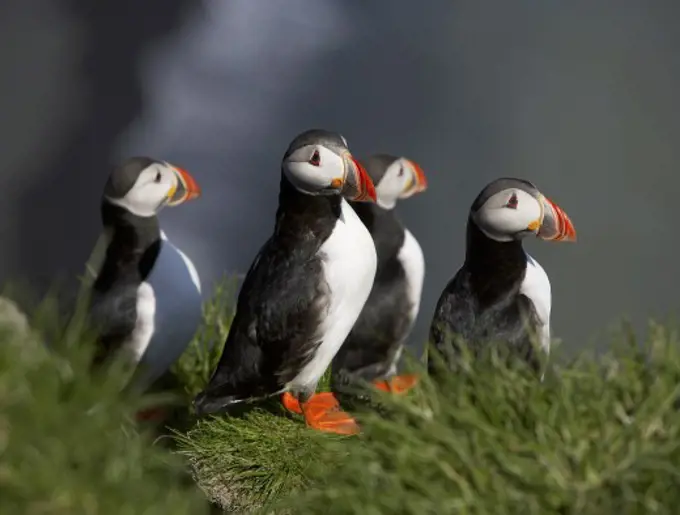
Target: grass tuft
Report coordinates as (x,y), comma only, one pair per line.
(68,442)
(195,366)
(601,434)
(248,462)
(598,436)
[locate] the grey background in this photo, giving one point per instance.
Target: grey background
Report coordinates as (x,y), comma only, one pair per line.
(580,97)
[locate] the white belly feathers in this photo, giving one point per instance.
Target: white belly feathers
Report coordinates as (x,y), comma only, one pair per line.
(349,266)
(412,259)
(536,286)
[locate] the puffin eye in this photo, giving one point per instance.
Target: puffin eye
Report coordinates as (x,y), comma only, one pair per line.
(158,177)
(401,171)
(513,202)
(315,160)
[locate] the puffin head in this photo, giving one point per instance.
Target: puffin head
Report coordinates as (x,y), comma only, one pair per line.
(509,209)
(143,186)
(394,178)
(318,162)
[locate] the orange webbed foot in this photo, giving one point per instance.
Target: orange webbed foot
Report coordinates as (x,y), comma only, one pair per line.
(323,413)
(291,403)
(397,384)
(322,399)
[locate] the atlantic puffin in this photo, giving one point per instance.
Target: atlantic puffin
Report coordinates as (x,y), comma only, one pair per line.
(374,346)
(304,290)
(501,295)
(146,297)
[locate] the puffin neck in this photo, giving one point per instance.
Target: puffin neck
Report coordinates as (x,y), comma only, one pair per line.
(298,211)
(133,246)
(495,268)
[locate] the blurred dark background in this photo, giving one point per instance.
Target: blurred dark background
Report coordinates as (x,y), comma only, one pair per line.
(580,97)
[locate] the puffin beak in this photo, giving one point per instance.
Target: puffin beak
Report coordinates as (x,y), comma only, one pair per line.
(357,185)
(184,189)
(556,225)
(417,182)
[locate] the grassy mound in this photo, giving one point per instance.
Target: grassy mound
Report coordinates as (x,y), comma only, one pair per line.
(251,461)
(597,436)
(68,444)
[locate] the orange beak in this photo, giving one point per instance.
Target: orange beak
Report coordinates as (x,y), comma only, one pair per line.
(187,188)
(556,225)
(358,186)
(419,182)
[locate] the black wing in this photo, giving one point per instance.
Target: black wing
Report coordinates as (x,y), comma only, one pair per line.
(453,320)
(459,320)
(113,315)
(275,328)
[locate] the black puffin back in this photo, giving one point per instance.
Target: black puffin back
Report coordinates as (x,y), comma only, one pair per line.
(482,304)
(280,306)
(132,251)
(384,322)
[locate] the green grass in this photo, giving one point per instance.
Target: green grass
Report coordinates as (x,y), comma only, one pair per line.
(194,368)
(254,459)
(598,436)
(68,444)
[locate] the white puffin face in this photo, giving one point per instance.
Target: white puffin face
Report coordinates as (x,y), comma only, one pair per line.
(318,162)
(509,214)
(402,179)
(154,188)
(315,170)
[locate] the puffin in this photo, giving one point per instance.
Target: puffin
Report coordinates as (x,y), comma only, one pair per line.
(145,299)
(304,291)
(373,348)
(501,295)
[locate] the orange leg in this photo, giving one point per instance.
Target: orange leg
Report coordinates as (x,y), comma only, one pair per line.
(397,384)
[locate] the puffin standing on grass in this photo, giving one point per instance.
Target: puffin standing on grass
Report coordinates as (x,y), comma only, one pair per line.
(501,294)
(305,289)
(146,298)
(372,350)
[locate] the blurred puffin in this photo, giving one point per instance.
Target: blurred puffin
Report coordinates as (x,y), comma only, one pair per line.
(305,289)
(501,294)
(374,346)
(146,298)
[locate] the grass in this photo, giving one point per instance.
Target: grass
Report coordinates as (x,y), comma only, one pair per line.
(600,435)
(251,461)
(68,444)
(194,368)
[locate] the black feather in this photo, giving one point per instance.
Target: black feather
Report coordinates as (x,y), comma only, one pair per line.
(385,320)
(280,306)
(482,305)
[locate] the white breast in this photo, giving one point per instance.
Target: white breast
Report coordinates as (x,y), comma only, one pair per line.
(412,259)
(536,286)
(189,264)
(166,275)
(141,335)
(349,265)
